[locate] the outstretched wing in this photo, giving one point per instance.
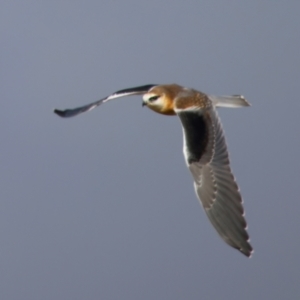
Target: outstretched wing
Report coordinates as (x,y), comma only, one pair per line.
(206,155)
(122,93)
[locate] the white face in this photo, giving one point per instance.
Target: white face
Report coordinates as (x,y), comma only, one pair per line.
(151,99)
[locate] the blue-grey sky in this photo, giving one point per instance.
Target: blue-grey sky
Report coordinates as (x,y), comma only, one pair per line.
(102,206)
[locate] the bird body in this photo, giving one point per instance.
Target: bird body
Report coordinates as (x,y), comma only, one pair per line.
(204,149)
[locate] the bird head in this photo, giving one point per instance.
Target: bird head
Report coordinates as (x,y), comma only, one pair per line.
(161,98)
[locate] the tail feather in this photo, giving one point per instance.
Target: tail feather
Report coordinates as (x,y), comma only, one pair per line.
(229,101)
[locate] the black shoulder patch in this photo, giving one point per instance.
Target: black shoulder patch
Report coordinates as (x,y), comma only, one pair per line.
(196,134)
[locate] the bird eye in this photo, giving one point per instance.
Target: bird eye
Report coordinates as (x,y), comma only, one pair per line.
(153,98)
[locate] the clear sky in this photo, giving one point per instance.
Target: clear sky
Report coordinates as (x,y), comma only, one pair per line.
(102,206)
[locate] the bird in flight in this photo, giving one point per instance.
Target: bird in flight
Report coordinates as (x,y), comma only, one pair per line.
(204,149)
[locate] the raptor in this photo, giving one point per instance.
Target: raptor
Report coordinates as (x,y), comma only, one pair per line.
(204,148)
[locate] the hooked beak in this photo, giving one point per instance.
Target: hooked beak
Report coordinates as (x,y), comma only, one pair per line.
(144,103)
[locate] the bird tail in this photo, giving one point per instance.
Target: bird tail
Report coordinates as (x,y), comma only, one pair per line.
(229,101)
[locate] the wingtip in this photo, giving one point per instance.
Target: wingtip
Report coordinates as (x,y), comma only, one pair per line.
(251,253)
(248,251)
(60,113)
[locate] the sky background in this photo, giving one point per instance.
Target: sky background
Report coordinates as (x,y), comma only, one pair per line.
(102,206)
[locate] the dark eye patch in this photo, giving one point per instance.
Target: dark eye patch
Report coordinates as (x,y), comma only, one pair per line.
(153,98)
